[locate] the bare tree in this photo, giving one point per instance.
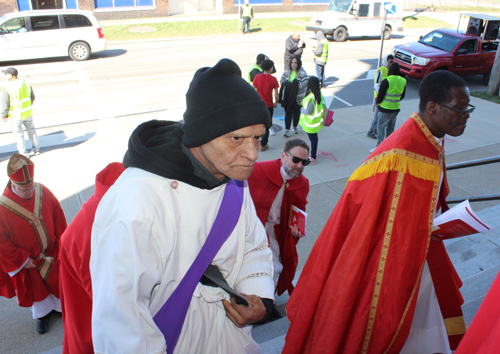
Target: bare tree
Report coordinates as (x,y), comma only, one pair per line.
(495,76)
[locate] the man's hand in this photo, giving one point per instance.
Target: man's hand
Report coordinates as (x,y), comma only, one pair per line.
(296,233)
(5,119)
(30,264)
(241,315)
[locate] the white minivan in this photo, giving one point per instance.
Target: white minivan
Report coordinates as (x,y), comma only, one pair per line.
(50,33)
(358,18)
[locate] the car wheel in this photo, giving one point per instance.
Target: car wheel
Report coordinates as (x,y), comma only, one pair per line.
(79,51)
(340,34)
(486,78)
(387,33)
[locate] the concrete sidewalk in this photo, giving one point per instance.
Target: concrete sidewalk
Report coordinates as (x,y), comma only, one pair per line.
(69,170)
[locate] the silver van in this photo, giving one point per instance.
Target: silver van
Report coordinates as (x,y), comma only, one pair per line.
(50,33)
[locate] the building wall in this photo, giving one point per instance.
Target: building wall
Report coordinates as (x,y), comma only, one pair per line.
(288,6)
(7,6)
(161,10)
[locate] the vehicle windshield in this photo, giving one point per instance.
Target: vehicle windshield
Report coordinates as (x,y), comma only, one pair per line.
(440,40)
(339,5)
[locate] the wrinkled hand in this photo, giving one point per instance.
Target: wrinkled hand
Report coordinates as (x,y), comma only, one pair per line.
(296,233)
(30,264)
(241,315)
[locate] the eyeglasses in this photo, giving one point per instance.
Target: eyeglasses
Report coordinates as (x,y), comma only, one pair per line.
(296,159)
(461,111)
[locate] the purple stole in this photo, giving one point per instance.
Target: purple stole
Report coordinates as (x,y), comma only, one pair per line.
(171,316)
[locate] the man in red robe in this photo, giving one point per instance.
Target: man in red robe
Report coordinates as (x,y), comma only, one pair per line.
(31,223)
(375,281)
(76,287)
(275,186)
(483,333)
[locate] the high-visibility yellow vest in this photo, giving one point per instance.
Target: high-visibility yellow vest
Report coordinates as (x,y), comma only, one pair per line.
(254,66)
(384,71)
(314,122)
(392,98)
(19,99)
(324,53)
(247,11)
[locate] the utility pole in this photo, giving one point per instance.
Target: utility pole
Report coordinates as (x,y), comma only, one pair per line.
(382,32)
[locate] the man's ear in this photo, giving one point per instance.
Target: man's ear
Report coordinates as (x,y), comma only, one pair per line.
(431,107)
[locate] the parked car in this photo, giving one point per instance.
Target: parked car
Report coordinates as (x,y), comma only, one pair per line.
(464,52)
(50,33)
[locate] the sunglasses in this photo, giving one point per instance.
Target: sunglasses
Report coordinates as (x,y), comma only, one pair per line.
(296,159)
(461,111)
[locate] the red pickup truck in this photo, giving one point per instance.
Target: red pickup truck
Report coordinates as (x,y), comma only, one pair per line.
(447,49)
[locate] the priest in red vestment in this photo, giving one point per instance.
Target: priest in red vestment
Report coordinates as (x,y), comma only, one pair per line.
(483,334)
(31,223)
(375,281)
(76,287)
(275,186)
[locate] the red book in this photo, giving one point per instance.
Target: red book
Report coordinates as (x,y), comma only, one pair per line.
(298,218)
(457,222)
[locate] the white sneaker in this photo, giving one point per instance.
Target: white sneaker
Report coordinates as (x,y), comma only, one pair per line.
(272,132)
(372,150)
(287,133)
(295,130)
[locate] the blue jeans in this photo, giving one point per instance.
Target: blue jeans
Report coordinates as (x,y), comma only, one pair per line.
(373,127)
(320,74)
(17,129)
(385,126)
(246,22)
(313,138)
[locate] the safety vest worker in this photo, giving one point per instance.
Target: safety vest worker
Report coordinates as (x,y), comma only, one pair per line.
(254,66)
(383,70)
(314,122)
(392,98)
(19,99)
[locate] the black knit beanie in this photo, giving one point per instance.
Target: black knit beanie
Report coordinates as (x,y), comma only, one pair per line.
(218,102)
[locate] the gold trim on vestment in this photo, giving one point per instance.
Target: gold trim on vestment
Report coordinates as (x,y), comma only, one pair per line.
(455,325)
(435,190)
(382,260)
(399,160)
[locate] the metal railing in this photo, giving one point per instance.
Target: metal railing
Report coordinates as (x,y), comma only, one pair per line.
(473,163)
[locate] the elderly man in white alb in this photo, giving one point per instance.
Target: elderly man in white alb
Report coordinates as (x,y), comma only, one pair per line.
(182,208)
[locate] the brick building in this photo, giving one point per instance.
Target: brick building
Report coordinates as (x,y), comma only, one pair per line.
(123,9)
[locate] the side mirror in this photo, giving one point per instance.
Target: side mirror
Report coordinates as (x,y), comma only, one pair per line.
(462,51)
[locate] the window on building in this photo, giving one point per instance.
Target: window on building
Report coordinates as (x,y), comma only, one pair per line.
(42,23)
(122,3)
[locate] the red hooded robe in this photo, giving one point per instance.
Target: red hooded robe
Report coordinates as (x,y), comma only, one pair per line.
(18,241)
(265,183)
(358,290)
(76,287)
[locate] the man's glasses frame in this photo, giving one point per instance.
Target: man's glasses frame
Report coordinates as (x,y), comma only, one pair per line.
(296,159)
(461,111)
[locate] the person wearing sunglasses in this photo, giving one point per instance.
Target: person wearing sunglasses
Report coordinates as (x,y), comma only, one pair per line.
(376,281)
(275,186)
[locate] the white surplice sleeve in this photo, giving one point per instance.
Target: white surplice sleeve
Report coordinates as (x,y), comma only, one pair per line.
(125,265)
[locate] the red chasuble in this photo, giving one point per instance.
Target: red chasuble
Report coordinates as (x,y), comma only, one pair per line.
(358,290)
(265,183)
(483,333)
(76,287)
(18,241)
